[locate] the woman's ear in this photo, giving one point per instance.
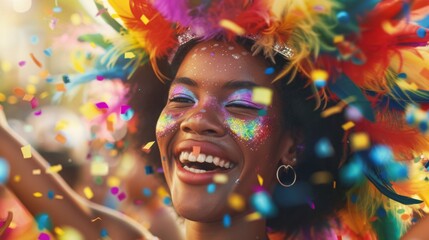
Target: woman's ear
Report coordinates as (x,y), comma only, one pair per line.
(289,146)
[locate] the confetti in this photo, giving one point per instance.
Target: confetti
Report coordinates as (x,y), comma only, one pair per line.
(2,97)
(359,141)
(348,125)
(111,120)
(102,105)
(37,171)
(338,38)
(89,111)
(167,201)
(51,194)
(17,178)
(34,39)
(22,63)
(321,177)
(226,221)
(113,181)
(148,170)
(122,196)
(196,150)
(146,148)
(4,171)
(57,9)
(421,32)
(19,92)
(220,178)
(236,202)
(262,95)
(37,194)
(95,219)
(37,62)
(253,216)
(61,125)
(103,233)
(211,188)
(380,154)
(144,19)
(66,79)
(34,103)
(232,26)
(48,52)
(269,71)
(60,138)
(101,11)
(343,17)
(60,87)
(44,236)
(263,204)
(59,231)
(88,192)
(99,168)
(260,180)
(127,115)
(129,55)
(323,148)
(26,151)
(54,169)
(353,113)
(99,78)
(43,222)
(147,192)
(70,233)
(114,190)
(319,77)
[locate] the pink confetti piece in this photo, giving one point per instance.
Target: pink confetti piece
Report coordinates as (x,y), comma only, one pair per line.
(38,113)
(21,63)
(121,196)
(101,105)
(99,78)
(34,103)
(124,109)
(53,23)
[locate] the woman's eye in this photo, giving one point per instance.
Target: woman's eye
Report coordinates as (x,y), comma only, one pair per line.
(181,99)
(243,105)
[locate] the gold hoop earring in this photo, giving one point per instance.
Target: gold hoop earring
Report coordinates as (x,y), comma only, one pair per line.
(286,167)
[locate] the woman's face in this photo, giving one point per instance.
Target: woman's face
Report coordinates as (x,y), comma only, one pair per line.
(211,127)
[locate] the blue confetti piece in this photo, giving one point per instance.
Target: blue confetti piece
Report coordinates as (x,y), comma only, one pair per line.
(167,201)
(148,170)
(43,222)
(402,75)
(226,221)
(66,79)
(103,232)
(51,194)
(109,145)
(269,71)
(421,32)
(48,52)
(352,172)
(34,39)
(4,171)
(263,204)
(423,126)
(381,213)
(320,83)
(381,154)
(397,171)
(147,192)
(343,17)
(49,80)
(57,9)
(127,115)
(211,188)
(324,148)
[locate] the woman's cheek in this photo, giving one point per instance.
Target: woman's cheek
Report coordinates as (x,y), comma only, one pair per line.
(167,124)
(252,132)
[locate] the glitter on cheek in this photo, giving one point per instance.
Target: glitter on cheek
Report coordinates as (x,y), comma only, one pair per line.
(253,132)
(166,124)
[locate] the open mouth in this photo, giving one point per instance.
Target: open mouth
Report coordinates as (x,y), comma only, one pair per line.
(203,163)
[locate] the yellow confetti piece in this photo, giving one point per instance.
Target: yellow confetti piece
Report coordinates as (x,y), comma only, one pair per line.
(89,111)
(232,26)
(70,234)
(44,74)
(26,151)
(17,178)
(111,120)
(6,66)
(12,100)
(59,197)
(77,65)
(13,225)
(236,202)
(88,192)
(144,19)
(113,153)
(407,86)
(253,216)
(99,169)
(334,184)
(331,111)
(37,171)
(59,231)
(146,148)
(321,177)
(37,194)
(129,55)
(31,89)
(43,95)
(162,192)
(338,38)
(28,97)
(359,141)
(319,74)
(260,180)
(262,95)
(388,27)
(61,125)
(2,97)
(220,178)
(54,168)
(60,138)
(33,80)
(346,126)
(76,19)
(113,181)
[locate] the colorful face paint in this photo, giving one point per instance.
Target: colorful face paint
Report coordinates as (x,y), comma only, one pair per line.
(181,91)
(252,132)
(166,123)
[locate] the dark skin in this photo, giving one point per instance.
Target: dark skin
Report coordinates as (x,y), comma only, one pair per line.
(207,98)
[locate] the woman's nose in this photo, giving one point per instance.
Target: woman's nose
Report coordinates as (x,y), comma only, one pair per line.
(204,121)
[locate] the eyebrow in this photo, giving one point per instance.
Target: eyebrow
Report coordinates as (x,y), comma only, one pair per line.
(233,84)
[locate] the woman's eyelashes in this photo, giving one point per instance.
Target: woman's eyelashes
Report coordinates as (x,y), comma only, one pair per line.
(182,99)
(243,104)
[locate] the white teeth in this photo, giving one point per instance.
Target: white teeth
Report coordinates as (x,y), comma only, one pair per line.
(194,170)
(209,159)
(201,158)
(216,161)
(192,158)
(189,156)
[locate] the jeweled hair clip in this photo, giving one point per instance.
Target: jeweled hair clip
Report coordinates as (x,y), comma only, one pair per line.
(282,49)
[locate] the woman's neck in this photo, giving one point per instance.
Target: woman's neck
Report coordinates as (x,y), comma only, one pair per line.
(239,229)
